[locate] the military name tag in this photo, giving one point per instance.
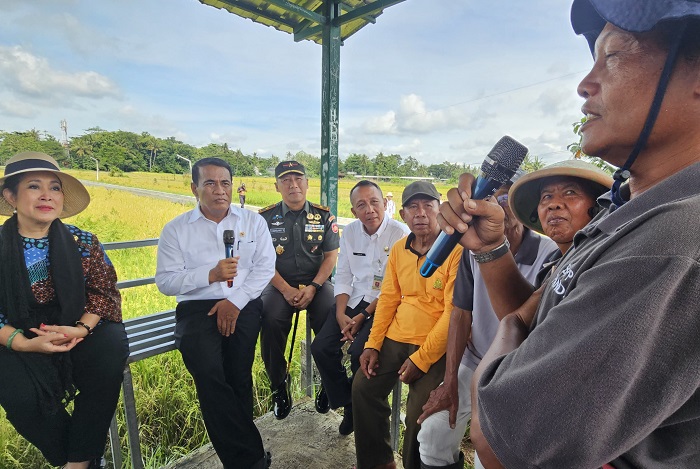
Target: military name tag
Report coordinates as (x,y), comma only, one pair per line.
(277,230)
(313,228)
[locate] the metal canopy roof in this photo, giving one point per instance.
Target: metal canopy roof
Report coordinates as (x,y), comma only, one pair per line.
(305,18)
(328,23)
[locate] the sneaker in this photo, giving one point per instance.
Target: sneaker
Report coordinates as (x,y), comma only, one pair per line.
(281,401)
(346,426)
(322,404)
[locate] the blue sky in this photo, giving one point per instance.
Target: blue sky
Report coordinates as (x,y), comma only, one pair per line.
(440,80)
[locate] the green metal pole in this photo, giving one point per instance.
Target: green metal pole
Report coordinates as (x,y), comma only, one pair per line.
(330,94)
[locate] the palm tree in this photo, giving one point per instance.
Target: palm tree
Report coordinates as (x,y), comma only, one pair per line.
(153,145)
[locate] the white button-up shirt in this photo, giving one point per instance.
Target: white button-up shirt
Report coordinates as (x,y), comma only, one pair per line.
(191,245)
(362,259)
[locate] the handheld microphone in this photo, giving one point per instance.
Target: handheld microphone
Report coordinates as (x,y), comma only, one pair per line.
(499,166)
(228,244)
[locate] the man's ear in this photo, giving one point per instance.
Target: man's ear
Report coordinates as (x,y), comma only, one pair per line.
(193,188)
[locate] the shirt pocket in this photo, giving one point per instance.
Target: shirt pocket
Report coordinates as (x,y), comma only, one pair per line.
(246,251)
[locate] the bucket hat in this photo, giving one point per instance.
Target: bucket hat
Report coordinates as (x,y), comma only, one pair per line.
(524,195)
(588,17)
(75,196)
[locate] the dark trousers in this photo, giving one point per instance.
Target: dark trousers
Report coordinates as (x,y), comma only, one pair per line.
(277,322)
(221,369)
(327,351)
(371,411)
(98,367)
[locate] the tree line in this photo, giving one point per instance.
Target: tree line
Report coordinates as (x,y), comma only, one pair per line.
(121,151)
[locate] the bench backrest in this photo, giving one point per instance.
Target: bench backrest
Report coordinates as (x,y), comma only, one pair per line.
(150,335)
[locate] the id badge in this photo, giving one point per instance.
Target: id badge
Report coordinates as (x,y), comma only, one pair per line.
(377,283)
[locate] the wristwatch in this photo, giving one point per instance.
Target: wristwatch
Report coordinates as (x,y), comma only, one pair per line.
(492,255)
(365,313)
(316,286)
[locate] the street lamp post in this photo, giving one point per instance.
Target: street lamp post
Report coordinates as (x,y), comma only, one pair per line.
(97,168)
(183,158)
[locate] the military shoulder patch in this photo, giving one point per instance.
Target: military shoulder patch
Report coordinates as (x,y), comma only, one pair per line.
(320,207)
(269,207)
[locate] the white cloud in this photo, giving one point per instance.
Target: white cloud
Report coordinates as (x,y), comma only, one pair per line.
(33,76)
(413,117)
(381,125)
(13,108)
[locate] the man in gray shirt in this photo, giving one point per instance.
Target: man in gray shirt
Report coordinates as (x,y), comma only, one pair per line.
(604,369)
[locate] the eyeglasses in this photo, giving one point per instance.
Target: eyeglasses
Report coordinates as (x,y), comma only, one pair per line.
(502,200)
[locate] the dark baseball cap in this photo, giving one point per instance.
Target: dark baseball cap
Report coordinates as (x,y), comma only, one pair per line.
(417,188)
(286,167)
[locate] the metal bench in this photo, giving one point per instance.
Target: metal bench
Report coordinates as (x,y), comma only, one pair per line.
(148,336)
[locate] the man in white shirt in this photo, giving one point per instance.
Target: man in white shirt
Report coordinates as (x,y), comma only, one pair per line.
(390,205)
(217,324)
(364,250)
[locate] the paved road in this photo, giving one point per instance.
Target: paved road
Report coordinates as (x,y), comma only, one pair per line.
(182,199)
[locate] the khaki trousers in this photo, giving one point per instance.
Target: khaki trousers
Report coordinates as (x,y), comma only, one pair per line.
(371,410)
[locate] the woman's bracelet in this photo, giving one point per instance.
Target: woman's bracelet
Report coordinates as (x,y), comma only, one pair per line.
(8,344)
(81,323)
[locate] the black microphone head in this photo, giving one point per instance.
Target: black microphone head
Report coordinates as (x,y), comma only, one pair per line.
(228,237)
(504,159)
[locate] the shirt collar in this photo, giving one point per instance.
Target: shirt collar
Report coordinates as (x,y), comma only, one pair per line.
(678,186)
(196,214)
(286,209)
(380,230)
(409,239)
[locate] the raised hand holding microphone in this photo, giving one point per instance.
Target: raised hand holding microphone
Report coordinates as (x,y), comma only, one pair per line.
(226,269)
(499,166)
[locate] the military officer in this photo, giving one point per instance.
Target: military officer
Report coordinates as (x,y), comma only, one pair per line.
(305,237)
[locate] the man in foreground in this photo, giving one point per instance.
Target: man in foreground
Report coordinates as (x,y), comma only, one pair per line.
(217,324)
(606,370)
(364,250)
(408,338)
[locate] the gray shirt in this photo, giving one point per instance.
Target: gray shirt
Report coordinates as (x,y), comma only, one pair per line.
(470,292)
(611,370)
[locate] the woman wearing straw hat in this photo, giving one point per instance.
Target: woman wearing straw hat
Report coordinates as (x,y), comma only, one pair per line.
(560,199)
(60,316)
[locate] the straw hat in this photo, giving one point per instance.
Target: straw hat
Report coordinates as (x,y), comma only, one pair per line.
(75,196)
(524,195)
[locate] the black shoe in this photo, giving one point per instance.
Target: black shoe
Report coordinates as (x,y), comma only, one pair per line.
(281,401)
(98,463)
(322,404)
(345,427)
